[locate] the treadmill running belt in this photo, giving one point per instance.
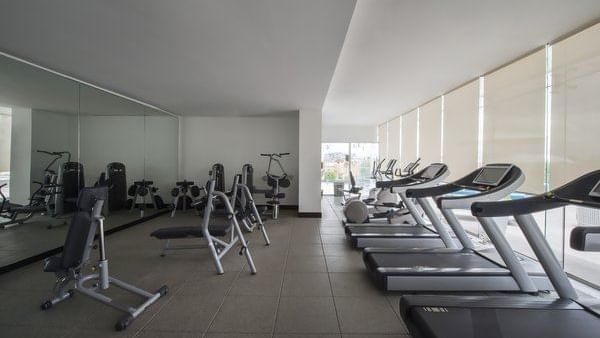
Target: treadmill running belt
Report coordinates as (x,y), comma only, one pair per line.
(502,323)
(465,261)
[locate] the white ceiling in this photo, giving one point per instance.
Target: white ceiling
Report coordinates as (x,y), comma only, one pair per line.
(191,57)
(399,54)
(244,57)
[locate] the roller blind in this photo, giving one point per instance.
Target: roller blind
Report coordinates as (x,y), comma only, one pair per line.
(575,106)
(461,122)
(430,132)
(408,152)
(514,118)
(382,137)
(394,138)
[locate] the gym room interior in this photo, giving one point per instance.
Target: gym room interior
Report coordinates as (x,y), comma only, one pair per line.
(300,168)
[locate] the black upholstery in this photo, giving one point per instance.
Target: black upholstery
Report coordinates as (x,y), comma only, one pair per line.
(117,176)
(78,233)
(217,230)
(577,190)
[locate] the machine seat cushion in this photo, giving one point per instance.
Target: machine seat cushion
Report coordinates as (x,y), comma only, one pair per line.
(217,230)
(28,208)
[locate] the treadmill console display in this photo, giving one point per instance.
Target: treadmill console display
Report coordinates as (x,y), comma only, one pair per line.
(595,190)
(491,175)
(431,171)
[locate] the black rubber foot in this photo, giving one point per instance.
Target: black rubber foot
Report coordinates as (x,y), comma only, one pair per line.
(123,323)
(163,290)
(46,305)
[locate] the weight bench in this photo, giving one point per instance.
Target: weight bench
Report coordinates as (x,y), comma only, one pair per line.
(215,230)
(217,247)
(72,265)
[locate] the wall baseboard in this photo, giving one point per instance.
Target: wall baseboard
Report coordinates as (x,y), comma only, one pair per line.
(288,207)
(310,214)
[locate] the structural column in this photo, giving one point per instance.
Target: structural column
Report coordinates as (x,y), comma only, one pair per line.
(309,163)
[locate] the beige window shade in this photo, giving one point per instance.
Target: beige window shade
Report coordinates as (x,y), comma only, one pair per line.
(575,106)
(408,151)
(461,123)
(394,138)
(382,139)
(514,118)
(430,132)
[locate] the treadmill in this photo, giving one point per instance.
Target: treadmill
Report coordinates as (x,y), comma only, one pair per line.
(415,234)
(460,269)
(519,316)
(377,216)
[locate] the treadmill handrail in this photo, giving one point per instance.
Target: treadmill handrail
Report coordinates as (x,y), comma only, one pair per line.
(415,179)
(444,189)
(424,183)
(559,197)
(510,184)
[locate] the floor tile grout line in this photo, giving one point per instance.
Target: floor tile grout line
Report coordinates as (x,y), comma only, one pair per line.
(214,316)
(330,284)
(287,254)
(169,300)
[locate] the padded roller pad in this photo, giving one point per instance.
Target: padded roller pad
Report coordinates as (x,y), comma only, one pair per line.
(217,230)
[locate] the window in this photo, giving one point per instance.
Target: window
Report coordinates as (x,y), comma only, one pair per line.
(339,158)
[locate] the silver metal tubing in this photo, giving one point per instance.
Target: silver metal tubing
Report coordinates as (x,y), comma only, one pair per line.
(437,224)
(458,229)
(237,230)
(547,259)
(525,282)
(411,208)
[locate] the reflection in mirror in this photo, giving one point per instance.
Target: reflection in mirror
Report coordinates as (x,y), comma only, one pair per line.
(39,174)
(111,137)
(161,158)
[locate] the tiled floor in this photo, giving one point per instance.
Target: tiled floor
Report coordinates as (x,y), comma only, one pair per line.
(309,284)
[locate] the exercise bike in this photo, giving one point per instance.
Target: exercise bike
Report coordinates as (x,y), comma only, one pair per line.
(275,180)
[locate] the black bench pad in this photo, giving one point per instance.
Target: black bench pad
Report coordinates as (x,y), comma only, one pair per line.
(217,230)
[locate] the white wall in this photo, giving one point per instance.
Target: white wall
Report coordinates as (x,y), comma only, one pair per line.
(234,141)
(309,180)
(162,141)
(349,133)
(20,156)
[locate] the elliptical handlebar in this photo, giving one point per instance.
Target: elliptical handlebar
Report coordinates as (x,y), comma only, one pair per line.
(58,155)
(275,155)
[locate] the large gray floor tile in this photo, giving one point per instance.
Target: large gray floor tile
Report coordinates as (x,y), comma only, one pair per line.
(345,264)
(306,264)
(353,284)
(305,249)
(236,335)
(246,314)
(186,313)
(306,284)
(305,335)
(367,315)
(264,283)
(334,239)
(306,315)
